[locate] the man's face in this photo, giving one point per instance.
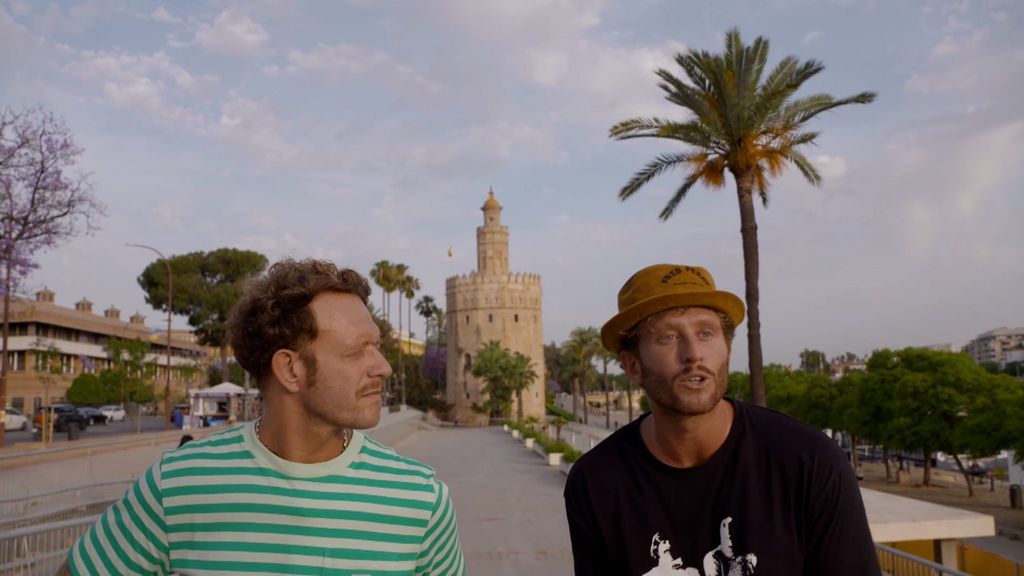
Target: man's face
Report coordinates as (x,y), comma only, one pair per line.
(682,362)
(344,366)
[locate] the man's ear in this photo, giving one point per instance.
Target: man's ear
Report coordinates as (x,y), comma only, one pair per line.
(288,369)
(631,366)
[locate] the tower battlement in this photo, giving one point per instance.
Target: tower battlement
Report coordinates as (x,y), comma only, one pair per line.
(474,280)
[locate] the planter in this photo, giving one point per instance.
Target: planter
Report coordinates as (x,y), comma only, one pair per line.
(529,443)
(555,459)
(515,434)
(504,427)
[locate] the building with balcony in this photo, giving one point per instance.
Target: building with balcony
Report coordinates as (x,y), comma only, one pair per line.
(997,346)
(42,330)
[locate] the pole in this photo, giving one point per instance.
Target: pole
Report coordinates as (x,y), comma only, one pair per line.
(170,304)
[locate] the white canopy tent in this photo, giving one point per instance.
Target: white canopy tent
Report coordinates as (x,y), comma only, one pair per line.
(226,402)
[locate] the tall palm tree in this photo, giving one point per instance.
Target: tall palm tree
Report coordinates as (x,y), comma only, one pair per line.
(606,356)
(740,124)
(399,273)
(582,346)
(381,274)
(410,284)
(519,375)
(425,308)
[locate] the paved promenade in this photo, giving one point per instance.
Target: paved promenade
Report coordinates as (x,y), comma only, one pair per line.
(507,500)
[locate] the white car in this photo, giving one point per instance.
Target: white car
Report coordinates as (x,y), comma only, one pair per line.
(14,420)
(113,412)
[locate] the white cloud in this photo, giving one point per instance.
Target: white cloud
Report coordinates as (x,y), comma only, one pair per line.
(271,70)
(162,15)
(342,60)
(233,34)
(253,125)
(813,36)
(830,167)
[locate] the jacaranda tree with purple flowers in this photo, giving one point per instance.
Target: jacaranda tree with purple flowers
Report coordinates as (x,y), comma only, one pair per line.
(44,200)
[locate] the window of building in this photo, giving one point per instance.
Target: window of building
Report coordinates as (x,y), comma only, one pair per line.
(490,318)
(467,318)
(516,317)
(67,364)
(468,364)
(16,361)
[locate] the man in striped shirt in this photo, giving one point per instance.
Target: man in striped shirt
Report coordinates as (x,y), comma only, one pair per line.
(302,490)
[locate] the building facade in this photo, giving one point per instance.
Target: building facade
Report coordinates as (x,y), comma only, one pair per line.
(997,346)
(492,303)
(41,332)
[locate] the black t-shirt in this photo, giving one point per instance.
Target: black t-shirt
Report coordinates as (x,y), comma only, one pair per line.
(777,499)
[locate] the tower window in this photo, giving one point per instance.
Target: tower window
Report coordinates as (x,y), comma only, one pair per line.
(467,318)
(517,317)
(468,365)
(490,318)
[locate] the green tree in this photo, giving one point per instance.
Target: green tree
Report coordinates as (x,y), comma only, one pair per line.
(814,361)
(743,123)
(606,356)
(206,286)
(87,389)
(583,345)
(381,274)
(505,373)
(433,317)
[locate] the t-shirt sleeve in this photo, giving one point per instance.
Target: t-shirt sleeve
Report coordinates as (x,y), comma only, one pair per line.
(441,553)
(839,540)
(130,537)
(589,553)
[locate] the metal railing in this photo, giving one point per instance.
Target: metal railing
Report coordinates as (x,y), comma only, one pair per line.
(40,549)
(65,498)
(899,563)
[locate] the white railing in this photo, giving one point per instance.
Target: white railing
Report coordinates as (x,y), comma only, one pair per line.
(899,563)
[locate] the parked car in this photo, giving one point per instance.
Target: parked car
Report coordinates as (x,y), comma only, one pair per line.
(94,415)
(113,412)
(64,416)
(14,420)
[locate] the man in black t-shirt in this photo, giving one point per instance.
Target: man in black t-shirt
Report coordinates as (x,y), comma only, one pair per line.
(703,484)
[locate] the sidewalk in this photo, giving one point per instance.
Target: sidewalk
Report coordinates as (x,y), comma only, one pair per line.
(508,501)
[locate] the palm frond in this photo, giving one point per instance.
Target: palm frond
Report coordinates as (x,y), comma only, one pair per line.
(639,128)
(804,165)
(673,202)
(653,168)
(802,110)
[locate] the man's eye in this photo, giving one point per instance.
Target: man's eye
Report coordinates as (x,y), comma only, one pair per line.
(667,338)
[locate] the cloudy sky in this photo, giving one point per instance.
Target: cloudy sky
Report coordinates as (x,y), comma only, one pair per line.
(360,131)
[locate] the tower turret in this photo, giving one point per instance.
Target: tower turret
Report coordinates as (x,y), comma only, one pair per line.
(492,240)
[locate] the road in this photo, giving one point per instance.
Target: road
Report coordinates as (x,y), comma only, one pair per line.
(508,502)
(149,424)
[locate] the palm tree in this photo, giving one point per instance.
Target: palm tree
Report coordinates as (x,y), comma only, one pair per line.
(606,356)
(425,307)
(381,274)
(410,284)
(741,125)
(583,344)
(506,373)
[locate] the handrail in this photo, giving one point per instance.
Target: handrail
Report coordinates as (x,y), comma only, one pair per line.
(16,499)
(934,569)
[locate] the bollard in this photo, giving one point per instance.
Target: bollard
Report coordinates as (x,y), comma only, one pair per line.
(1015,502)
(74,431)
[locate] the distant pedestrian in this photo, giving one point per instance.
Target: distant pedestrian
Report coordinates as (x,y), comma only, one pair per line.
(185,439)
(301,490)
(746,489)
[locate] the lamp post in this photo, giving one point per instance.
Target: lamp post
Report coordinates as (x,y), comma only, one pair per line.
(170,303)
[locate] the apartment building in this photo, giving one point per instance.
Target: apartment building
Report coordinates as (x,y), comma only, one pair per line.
(997,346)
(78,335)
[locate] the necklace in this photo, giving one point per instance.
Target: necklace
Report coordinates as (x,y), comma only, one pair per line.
(346,436)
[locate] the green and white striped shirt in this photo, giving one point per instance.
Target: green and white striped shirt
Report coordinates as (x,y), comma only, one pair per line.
(227,505)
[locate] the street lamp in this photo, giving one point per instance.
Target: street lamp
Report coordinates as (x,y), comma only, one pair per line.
(170,301)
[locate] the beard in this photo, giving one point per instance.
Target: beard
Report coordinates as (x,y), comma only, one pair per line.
(669,391)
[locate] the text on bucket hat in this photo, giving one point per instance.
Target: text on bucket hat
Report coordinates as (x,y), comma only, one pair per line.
(663,286)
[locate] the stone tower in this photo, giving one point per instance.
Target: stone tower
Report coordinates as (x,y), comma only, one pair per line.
(492,304)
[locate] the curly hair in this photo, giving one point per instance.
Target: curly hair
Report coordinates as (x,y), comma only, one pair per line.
(631,337)
(274,314)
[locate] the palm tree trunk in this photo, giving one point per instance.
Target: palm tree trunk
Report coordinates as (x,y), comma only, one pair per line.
(607,399)
(575,391)
(583,394)
(927,468)
(751,266)
(967,477)
(401,364)
(519,405)
(885,457)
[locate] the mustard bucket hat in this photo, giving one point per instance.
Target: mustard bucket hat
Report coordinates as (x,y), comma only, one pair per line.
(663,286)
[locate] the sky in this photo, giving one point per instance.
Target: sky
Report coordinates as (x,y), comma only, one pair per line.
(359,131)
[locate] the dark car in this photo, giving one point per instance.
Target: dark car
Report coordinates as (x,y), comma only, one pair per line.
(94,415)
(65,416)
